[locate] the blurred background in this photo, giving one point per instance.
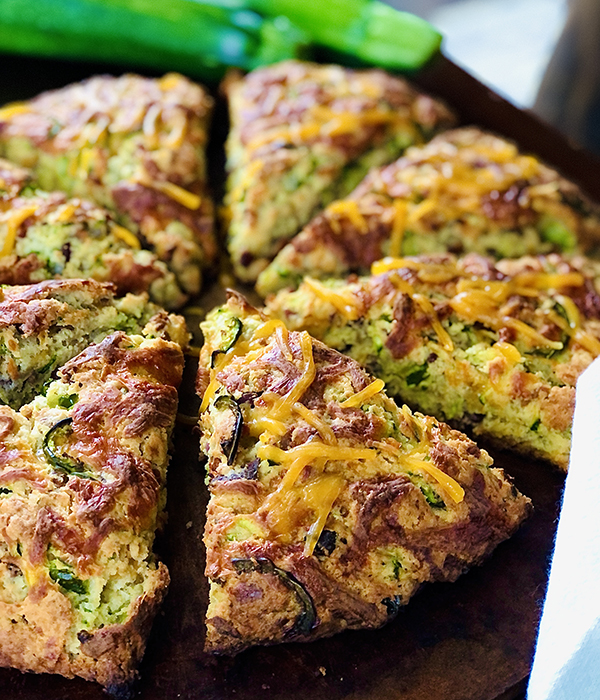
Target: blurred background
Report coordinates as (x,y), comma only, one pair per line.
(542,55)
(506,44)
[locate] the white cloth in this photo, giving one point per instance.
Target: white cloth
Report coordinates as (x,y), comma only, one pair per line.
(567,657)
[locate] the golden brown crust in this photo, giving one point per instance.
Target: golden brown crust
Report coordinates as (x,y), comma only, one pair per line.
(467,190)
(133,144)
(328,511)
(82,475)
(493,346)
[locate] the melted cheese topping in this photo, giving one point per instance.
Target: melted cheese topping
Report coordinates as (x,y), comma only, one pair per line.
(188,199)
(349,209)
(460,181)
(380,267)
(324,430)
(126,236)
(267,328)
(321,121)
(284,507)
(449,485)
(343,301)
(66,212)
(418,211)
(364,395)
(482,300)
(169,81)
(479,300)
(319,496)
(180,195)
(13,225)
(302,496)
(398,227)
(13,109)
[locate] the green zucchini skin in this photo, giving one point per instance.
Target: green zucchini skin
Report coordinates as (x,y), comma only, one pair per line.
(198,39)
(203,39)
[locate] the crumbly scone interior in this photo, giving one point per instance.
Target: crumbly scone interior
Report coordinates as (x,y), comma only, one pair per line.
(303,134)
(465,191)
(43,326)
(79,507)
(47,235)
(330,505)
(494,347)
(134,145)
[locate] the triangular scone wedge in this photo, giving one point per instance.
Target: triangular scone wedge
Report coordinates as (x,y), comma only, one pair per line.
(330,504)
(303,134)
(44,325)
(82,490)
(134,145)
(46,235)
(465,191)
(493,347)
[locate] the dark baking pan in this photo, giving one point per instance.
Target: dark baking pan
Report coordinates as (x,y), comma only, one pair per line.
(471,640)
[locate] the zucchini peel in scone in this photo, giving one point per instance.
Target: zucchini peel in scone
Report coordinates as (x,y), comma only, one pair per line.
(495,347)
(465,191)
(45,235)
(44,325)
(131,144)
(304,134)
(329,504)
(82,493)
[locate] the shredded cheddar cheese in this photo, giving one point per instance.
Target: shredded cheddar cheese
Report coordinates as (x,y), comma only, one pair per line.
(350,210)
(398,227)
(13,224)
(588,342)
(420,210)
(450,486)
(126,236)
(178,194)
(481,300)
(188,199)
(65,213)
(324,430)
(169,81)
(368,392)
(320,495)
(299,457)
(13,110)
(322,121)
(380,267)
(345,302)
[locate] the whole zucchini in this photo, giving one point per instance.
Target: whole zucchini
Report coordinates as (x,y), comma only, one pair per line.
(203,37)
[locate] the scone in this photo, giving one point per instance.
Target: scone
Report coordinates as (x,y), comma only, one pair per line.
(304,134)
(131,144)
(82,490)
(46,235)
(494,347)
(330,504)
(465,191)
(44,325)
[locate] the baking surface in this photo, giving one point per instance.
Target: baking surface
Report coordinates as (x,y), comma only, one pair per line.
(471,640)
